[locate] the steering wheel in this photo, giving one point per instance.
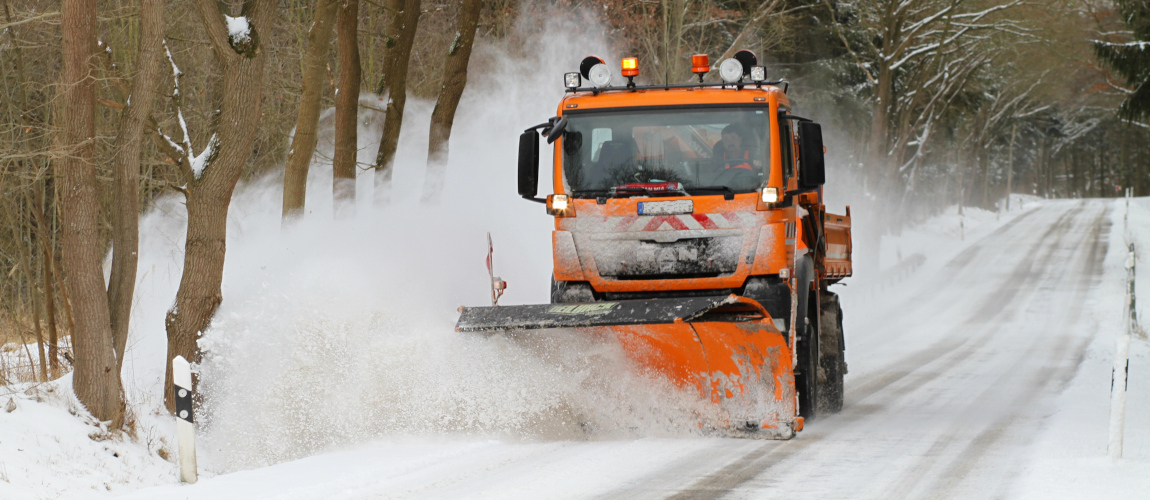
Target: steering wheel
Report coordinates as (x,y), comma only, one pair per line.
(736,178)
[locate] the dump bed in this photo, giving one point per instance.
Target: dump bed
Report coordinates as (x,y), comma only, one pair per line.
(838,237)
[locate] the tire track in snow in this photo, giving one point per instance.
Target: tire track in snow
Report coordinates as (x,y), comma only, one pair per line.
(1048,380)
(911,478)
(759,461)
(987,313)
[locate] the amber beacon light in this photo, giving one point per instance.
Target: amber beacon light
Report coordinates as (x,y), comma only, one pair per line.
(700,65)
(630,67)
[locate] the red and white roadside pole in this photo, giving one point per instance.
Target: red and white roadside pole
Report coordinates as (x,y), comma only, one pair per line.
(185,419)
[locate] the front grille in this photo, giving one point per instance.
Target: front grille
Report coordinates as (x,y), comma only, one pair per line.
(683,276)
(670,294)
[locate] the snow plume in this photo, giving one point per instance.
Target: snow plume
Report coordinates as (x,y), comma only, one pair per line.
(333,333)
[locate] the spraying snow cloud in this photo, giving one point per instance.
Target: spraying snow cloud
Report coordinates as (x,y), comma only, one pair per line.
(335,332)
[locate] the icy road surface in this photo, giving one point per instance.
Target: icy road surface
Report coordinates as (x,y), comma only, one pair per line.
(953,377)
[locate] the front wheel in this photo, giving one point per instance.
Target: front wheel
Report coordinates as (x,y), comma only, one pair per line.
(807,341)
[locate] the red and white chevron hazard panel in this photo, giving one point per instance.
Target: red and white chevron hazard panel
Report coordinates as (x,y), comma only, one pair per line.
(684,222)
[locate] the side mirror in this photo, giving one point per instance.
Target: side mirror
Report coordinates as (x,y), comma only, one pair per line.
(529,164)
(812,169)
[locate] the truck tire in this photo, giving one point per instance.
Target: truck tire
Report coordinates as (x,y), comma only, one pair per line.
(832,354)
(567,292)
(807,341)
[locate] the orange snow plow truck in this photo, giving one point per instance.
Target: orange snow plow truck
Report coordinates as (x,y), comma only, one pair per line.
(690,226)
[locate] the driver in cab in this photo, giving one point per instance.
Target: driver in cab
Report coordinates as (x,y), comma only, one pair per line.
(732,151)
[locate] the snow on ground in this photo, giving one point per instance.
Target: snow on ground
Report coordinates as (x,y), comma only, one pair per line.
(50,447)
(1071,459)
(1064,458)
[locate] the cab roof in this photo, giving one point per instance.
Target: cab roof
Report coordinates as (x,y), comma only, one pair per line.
(658,96)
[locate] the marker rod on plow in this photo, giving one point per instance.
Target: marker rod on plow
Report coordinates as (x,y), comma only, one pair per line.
(185,421)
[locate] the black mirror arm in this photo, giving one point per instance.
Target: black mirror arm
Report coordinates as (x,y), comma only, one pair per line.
(536,200)
(556,130)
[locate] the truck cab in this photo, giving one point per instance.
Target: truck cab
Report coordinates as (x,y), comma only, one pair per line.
(685,191)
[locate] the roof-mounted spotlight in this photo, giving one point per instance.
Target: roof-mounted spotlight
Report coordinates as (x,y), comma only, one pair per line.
(572,80)
(758,74)
(731,71)
(594,69)
(599,75)
(700,65)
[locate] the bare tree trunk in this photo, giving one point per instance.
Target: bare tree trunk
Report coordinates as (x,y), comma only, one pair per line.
(678,10)
(209,194)
(346,111)
(15,213)
(96,380)
(126,173)
(1010,166)
(879,132)
(47,275)
(442,118)
(401,36)
(984,163)
(303,142)
(36,319)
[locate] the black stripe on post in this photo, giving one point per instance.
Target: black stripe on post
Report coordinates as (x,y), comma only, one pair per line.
(184,404)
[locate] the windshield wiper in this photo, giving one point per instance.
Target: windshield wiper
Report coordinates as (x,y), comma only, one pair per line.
(728,193)
(625,191)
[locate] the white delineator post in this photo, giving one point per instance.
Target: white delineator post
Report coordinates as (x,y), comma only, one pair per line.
(185,423)
(1121,370)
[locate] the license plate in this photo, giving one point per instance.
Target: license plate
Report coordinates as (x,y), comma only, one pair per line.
(666,207)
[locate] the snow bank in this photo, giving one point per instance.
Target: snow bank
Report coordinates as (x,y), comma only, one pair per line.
(50,447)
(1071,459)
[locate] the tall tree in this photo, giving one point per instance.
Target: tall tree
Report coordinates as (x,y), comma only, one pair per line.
(96,381)
(126,172)
(307,119)
(346,110)
(904,38)
(211,175)
(454,81)
(1131,58)
(401,28)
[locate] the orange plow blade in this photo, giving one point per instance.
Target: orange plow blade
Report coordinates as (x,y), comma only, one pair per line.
(725,347)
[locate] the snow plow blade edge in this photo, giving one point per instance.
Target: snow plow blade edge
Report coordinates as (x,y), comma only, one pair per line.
(577,315)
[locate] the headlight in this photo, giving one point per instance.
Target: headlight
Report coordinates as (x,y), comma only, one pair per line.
(559,205)
(559,202)
(599,75)
(770,195)
(731,70)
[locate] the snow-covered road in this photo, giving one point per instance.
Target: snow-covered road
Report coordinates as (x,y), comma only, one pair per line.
(953,377)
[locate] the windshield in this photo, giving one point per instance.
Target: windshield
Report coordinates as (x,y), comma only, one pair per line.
(664,152)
